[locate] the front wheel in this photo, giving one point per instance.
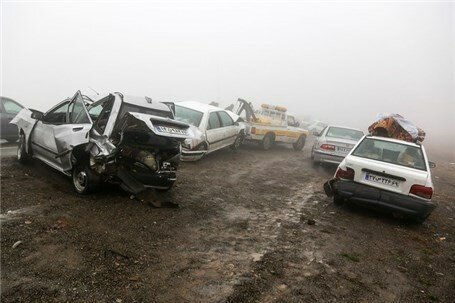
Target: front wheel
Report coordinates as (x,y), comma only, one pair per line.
(238,141)
(22,155)
(267,142)
(298,146)
(85,180)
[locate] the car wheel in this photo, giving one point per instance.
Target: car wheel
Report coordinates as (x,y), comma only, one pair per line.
(85,180)
(337,200)
(267,142)
(238,141)
(298,146)
(420,220)
(22,155)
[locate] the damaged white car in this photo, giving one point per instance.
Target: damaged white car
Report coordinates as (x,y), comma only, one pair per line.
(131,141)
(213,128)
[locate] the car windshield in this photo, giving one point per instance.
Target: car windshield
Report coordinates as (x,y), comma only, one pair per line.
(344,133)
(391,152)
(187,115)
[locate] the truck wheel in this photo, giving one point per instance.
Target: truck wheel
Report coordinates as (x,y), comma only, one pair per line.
(22,155)
(85,180)
(238,141)
(298,146)
(267,142)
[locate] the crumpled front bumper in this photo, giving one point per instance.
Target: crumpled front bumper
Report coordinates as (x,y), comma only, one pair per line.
(378,199)
(189,155)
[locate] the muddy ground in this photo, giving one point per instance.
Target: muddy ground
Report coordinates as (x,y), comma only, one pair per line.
(240,233)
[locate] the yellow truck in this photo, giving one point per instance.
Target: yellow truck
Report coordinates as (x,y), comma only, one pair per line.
(270,124)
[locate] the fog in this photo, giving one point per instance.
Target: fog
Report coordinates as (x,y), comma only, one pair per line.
(337,62)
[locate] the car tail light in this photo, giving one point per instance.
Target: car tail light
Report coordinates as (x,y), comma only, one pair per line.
(253,130)
(345,174)
(421,191)
(328,146)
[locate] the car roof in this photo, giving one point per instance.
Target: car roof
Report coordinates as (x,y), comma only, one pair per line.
(346,127)
(394,140)
(199,106)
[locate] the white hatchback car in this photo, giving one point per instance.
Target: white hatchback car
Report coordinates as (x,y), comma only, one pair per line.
(214,128)
(388,174)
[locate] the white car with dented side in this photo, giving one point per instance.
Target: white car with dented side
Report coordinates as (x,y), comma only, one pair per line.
(213,128)
(385,174)
(132,141)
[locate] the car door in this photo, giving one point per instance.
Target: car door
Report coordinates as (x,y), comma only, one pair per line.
(62,128)
(215,132)
(230,130)
(8,110)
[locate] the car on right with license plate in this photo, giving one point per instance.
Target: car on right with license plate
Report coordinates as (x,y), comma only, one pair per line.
(385,174)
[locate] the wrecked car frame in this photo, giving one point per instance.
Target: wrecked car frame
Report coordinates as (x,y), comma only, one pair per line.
(127,140)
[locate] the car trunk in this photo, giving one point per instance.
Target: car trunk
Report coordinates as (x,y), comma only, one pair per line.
(391,177)
(342,146)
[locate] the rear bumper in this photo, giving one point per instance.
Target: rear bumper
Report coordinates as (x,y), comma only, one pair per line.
(379,199)
(327,158)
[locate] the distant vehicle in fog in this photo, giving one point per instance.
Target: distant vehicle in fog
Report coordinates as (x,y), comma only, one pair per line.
(316,127)
(333,143)
(8,110)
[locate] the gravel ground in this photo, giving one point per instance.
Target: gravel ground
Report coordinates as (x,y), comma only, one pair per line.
(238,227)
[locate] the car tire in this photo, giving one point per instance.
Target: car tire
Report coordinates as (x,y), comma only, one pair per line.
(298,146)
(267,142)
(337,200)
(238,141)
(22,155)
(420,220)
(85,181)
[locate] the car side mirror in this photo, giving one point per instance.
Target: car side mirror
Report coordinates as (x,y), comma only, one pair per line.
(37,115)
(316,134)
(432,164)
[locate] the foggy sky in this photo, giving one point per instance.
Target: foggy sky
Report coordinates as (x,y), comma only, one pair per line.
(338,62)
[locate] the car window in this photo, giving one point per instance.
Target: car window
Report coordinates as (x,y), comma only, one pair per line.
(11,107)
(291,120)
(103,117)
(226,120)
(214,121)
(344,133)
(78,114)
(391,152)
(95,111)
(188,115)
(57,115)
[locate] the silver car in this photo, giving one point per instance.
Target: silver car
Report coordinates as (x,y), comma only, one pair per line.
(131,141)
(333,143)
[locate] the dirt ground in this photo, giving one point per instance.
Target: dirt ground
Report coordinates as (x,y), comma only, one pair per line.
(241,232)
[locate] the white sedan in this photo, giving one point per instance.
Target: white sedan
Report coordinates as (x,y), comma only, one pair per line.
(214,128)
(388,174)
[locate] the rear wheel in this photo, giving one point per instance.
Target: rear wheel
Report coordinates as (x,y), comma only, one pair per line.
(238,141)
(298,146)
(337,200)
(22,155)
(85,180)
(267,141)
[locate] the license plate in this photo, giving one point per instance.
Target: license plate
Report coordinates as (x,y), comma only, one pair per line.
(343,149)
(381,180)
(170,130)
